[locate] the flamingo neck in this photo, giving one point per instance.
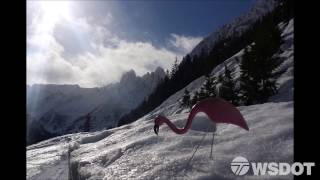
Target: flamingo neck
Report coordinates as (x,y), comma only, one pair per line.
(173,127)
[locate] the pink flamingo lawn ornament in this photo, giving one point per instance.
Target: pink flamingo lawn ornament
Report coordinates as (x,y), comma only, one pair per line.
(217,109)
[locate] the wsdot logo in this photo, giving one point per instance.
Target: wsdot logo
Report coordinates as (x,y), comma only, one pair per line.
(240,166)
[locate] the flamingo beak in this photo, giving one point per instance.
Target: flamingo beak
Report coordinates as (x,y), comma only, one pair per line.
(156,129)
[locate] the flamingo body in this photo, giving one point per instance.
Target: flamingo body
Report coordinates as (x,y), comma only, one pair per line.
(217,109)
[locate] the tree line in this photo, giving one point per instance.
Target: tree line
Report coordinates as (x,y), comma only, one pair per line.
(257,80)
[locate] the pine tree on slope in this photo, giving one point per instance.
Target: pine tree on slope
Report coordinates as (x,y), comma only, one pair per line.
(257,80)
(186,98)
(210,86)
(227,89)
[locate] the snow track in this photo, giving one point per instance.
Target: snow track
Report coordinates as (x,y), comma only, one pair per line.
(56,171)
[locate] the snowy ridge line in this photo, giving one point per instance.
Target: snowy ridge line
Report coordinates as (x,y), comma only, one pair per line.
(285,80)
(236,26)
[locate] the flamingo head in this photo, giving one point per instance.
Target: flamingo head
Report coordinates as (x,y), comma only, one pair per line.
(156,129)
(157,123)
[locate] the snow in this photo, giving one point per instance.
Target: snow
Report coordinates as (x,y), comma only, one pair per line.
(285,81)
(133,151)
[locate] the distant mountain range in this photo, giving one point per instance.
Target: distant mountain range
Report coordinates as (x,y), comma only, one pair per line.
(60,109)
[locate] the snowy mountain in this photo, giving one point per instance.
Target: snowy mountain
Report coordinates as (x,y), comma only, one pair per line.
(133,151)
(236,27)
(59,109)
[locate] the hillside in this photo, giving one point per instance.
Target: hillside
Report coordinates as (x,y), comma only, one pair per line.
(133,151)
(258,25)
(236,27)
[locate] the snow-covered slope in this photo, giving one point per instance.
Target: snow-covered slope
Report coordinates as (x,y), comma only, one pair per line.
(237,26)
(61,109)
(284,82)
(133,151)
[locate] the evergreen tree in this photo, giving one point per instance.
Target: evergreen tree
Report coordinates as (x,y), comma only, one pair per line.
(247,91)
(286,9)
(210,86)
(266,46)
(186,98)
(195,98)
(227,88)
(174,68)
(87,123)
(202,94)
(167,74)
(258,65)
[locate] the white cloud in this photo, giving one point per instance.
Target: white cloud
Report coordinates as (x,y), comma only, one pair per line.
(184,43)
(78,51)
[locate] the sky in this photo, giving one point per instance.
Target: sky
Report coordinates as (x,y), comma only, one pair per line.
(92,43)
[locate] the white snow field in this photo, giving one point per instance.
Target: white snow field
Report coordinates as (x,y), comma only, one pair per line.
(133,151)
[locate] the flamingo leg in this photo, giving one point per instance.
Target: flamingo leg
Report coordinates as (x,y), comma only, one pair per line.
(196,149)
(212,145)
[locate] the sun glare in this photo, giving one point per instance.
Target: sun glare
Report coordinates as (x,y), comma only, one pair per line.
(54,11)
